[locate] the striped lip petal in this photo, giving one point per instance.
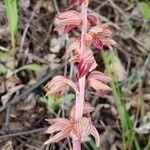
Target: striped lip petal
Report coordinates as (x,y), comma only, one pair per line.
(97,42)
(67,24)
(67,28)
(107,41)
(58,84)
(71,21)
(74,46)
(68,14)
(57,124)
(61,125)
(98,36)
(100,76)
(98,85)
(76,130)
(60,135)
(87,63)
(58,120)
(93,19)
(84,67)
(68,20)
(97,80)
(84,128)
(95,134)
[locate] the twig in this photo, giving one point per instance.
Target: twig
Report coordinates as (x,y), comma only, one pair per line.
(7,120)
(30,89)
(28,24)
(22,133)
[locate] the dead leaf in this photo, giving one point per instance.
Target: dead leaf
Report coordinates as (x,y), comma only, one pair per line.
(7,96)
(29,103)
(144,129)
(57,44)
(7,146)
(24,4)
(118,69)
(107,139)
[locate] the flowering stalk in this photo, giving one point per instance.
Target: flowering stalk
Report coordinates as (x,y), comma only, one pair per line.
(80,98)
(79,124)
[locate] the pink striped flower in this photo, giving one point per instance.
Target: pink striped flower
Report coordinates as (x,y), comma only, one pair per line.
(86,61)
(68,20)
(76,130)
(58,84)
(98,36)
(98,80)
(93,19)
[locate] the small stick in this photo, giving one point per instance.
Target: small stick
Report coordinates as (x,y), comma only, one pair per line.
(7,120)
(22,133)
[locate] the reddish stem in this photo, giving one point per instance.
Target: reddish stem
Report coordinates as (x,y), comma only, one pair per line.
(80,97)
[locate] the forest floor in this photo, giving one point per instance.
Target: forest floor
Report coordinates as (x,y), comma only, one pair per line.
(39,56)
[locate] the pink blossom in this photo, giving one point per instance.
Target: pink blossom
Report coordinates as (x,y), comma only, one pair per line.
(98,35)
(76,130)
(98,80)
(68,20)
(58,84)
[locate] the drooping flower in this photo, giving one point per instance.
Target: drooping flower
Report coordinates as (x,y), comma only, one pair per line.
(93,19)
(76,130)
(98,80)
(86,61)
(98,35)
(68,20)
(58,84)
(73,47)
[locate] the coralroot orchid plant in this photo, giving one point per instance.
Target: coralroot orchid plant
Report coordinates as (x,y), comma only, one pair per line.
(92,32)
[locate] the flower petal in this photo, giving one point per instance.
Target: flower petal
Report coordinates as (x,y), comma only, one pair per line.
(58,120)
(99,76)
(74,46)
(59,136)
(86,64)
(55,128)
(59,83)
(68,28)
(98,85)
(106,41)
(95,134)
(93,19)
(97,42)
(68,14)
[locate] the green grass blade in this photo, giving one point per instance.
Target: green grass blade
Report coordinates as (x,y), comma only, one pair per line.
(12,14)
(32,67)
(126,124)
